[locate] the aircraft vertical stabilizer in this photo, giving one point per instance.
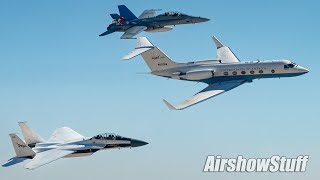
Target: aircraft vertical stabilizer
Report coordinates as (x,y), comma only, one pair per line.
(29,135)
(20,147)
(126,13)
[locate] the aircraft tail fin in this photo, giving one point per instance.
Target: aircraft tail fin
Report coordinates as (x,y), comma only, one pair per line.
(29,135)
(115,16)
(119,20)
(126,13)
(153,56)
(20,147)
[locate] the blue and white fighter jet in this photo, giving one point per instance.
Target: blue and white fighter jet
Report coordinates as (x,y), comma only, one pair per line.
(148,21)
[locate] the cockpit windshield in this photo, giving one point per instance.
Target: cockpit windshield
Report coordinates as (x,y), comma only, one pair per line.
(105,136)
(172,14)
(291,65)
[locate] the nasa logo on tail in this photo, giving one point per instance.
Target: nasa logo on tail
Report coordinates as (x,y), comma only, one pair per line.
(22,146)
(155,57)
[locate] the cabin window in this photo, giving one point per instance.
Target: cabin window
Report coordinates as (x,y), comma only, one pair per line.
(286,67)
(226,73)
(234,73)
(273,71)
(251,72)
(243,72)
(260,71)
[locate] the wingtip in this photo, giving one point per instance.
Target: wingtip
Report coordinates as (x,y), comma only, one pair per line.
(170,106)
(217,42)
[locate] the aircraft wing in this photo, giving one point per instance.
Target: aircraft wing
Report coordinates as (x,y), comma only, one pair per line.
(209,92)
(224,53)
(46,157)
(130,33)
(65,134)
(148,13)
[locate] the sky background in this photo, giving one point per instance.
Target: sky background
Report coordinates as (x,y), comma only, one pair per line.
(56,71)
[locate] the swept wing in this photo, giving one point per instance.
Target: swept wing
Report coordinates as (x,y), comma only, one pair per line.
(148,13)
(46,157)
(209,92)
(130,33)
(65,134)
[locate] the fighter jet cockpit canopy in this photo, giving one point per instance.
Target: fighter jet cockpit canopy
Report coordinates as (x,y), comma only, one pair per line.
(106,136)
(173,13)
(290,65)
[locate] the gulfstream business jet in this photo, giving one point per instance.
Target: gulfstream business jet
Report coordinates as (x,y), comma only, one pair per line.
(64,143)
(221,75)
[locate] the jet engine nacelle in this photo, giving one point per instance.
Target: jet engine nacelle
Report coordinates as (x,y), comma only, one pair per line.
(159,29)
(199,75)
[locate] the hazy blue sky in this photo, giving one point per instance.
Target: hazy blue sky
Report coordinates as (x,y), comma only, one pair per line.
(56,71)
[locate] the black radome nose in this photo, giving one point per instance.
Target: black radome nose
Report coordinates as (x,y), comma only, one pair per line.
(137,143)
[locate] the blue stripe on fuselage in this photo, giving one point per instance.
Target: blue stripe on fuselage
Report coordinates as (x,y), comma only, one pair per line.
(247,77)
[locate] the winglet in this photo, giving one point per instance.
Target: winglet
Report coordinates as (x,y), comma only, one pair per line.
(217,42)
(169,105)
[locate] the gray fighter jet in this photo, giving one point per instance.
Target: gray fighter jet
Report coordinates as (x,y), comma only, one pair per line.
(64,143)
(148,21)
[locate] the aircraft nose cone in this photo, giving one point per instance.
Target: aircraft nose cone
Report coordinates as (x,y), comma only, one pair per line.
(205,19)
(137,143)
(201,19)
(303,69)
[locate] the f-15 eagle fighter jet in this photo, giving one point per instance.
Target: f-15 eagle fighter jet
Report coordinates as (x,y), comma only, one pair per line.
(148,21)
(222,74)
(64,143)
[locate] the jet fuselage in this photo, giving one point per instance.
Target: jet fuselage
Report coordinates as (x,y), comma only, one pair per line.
(215,72)
(88,146)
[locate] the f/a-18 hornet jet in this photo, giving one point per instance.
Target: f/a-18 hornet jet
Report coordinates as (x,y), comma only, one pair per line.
(222,74)
(148,21)
(64,143)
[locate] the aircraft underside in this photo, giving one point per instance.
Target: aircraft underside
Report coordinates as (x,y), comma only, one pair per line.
(247,78)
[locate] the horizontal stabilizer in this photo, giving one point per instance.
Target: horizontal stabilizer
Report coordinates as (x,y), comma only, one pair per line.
(135,53)
(143,45)
(14,161)
(107,32)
